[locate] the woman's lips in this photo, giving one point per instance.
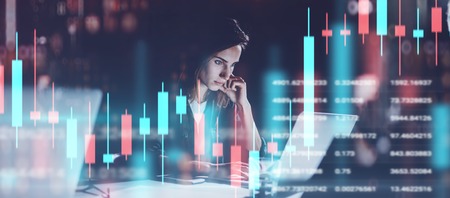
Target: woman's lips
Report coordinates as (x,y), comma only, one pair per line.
(219,83)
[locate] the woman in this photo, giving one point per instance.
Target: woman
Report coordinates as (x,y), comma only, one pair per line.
(213,91)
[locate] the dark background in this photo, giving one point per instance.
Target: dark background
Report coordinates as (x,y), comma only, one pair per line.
(131,63)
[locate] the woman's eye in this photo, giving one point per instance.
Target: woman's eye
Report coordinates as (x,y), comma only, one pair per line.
(218,62)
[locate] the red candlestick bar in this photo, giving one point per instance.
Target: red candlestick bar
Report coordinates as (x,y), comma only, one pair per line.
(53,116)
(89,142)
(235,166)
(199,130)
(326,33)
(217,147)
(35,115)
(345,32)
(126,134)
(217,152)
(199,135)
(363,18)
(436,25)
(272,147)
(400,31)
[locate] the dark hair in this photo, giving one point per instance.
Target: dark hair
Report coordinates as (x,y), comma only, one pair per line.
(211,35)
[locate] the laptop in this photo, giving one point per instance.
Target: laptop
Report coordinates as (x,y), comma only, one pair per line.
(298,162)
(39,166)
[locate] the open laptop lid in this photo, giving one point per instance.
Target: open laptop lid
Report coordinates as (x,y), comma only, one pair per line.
(299,162)
(35,168)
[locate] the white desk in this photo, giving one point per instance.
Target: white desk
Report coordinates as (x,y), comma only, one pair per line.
(149,188)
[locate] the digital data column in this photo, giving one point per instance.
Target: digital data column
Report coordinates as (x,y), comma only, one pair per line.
(163,122)
(17,92)
(341,69)
(144,128)
(308,105)
(381,21)
(440,160)
(71,138)
(275,86)
(441,126)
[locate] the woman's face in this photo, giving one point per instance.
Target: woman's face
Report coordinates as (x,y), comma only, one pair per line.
(220,67)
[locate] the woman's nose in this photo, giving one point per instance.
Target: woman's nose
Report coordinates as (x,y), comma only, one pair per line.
(226,73)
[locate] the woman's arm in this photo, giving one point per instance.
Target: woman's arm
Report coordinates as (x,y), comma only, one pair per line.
(236,90)
(247,124)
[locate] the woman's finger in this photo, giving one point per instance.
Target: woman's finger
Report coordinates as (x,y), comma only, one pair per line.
(235,78)
(237,83)
(223,89)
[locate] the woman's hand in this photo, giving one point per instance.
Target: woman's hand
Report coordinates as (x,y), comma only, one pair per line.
(236,89)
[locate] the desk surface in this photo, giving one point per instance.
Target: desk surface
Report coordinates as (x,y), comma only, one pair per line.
(149,188)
